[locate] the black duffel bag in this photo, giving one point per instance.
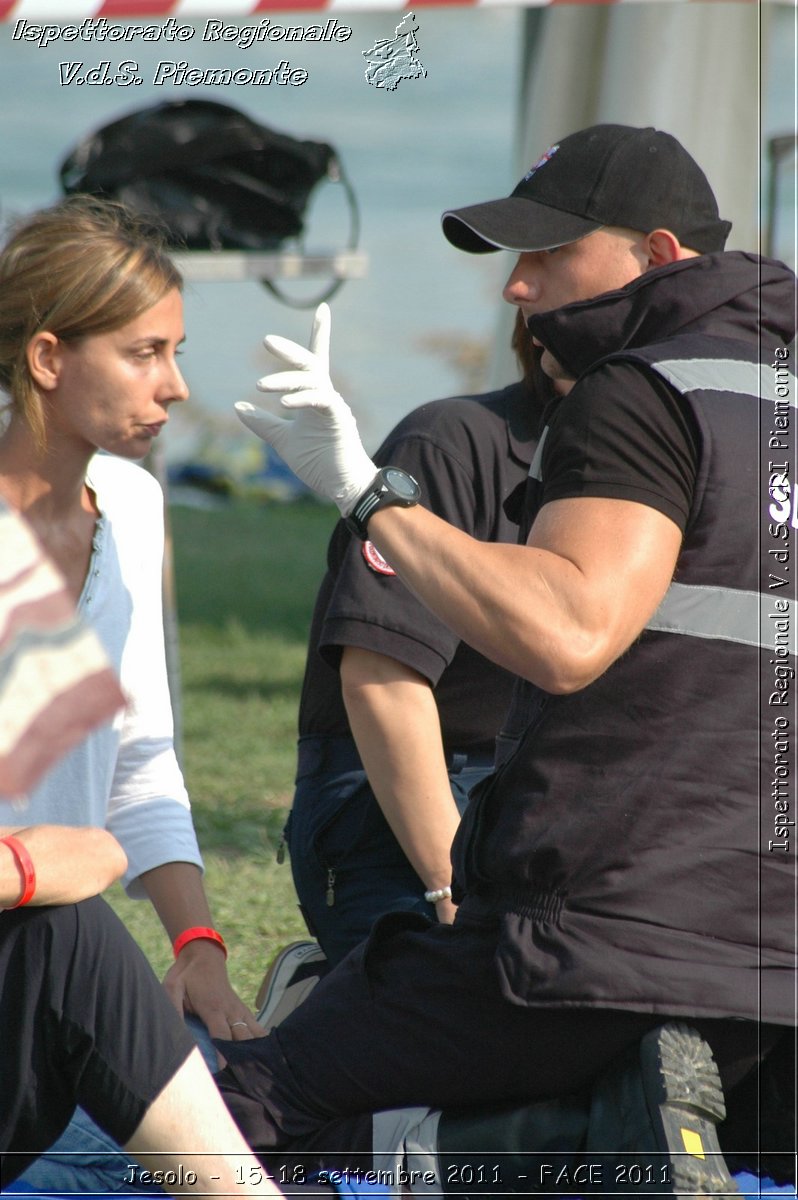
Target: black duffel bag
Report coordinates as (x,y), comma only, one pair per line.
(208,174)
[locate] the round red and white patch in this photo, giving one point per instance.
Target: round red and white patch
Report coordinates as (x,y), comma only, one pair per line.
(375,560)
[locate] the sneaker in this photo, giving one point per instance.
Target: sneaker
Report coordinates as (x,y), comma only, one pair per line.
(289,980)
(660,1108)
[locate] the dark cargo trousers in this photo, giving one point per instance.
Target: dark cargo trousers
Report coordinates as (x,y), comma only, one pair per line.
(414,1020)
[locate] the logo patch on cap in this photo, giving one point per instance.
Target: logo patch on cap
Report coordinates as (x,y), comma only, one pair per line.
(544,158)
(375,560)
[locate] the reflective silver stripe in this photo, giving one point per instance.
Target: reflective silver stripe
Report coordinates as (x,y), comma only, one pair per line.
(398,1134)
(731,375)
(537,461)
(422,1157)
(714,375)
(729,615)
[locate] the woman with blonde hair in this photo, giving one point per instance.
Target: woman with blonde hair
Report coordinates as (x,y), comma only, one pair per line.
(91,325)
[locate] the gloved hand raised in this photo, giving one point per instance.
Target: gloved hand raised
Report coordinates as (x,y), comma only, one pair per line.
(321,444)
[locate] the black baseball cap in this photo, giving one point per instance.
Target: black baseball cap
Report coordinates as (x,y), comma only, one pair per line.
(639,179)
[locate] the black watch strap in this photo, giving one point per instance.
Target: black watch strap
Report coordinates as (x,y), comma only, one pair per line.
(391,485)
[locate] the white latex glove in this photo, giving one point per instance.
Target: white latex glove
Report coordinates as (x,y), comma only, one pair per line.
(321,444)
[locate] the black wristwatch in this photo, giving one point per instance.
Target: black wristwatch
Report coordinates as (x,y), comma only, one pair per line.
(391,485)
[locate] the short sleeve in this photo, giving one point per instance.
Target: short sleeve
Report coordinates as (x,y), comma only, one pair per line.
(623,433)
(375,610)
(460,452)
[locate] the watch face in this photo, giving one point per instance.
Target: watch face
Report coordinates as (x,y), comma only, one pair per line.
(401,483)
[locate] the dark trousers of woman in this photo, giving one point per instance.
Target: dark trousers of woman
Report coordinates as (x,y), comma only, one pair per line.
(83,1021)
(415,1017)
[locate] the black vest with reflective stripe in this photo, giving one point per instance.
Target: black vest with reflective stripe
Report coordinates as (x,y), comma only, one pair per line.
(630,844)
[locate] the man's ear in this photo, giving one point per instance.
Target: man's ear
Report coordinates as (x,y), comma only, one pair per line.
(44,359)
(663,247)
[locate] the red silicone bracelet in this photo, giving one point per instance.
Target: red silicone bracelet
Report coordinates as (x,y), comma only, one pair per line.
(197,931)
(25,864)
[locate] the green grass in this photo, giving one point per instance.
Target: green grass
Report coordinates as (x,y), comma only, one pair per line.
(246,578)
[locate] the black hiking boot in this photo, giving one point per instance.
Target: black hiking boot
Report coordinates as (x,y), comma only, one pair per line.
(654,1115)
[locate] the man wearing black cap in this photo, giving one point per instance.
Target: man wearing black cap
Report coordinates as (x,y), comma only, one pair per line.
(608,175)
(625,898)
